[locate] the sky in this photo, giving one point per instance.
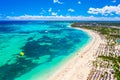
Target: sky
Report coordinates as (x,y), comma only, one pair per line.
(59,9)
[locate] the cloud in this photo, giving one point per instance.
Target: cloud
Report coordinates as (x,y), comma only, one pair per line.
(42,11)
(57,1)
(106,10)
(50,9)
(54,14)
(114,1)
(71,10)
(79,2)
(82,18)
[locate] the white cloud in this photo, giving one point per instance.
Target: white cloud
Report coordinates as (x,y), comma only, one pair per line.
(114,1)
(54,14)
(84,18)
(57,1)
(50,9)
(106,10)
(79,2)
(71,10)
(42,11)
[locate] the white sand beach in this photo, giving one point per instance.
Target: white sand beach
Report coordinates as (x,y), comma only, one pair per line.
(78,68)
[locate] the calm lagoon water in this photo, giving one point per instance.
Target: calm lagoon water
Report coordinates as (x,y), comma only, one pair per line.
(45,45)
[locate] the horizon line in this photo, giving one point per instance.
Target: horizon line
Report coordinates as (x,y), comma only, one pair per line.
(60,18)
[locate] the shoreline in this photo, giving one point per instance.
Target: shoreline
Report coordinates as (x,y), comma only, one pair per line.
(78,68)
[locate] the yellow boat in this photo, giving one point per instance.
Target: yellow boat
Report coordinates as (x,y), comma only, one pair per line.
(22,53)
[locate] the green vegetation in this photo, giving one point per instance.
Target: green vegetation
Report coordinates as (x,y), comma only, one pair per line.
(111,34)
(116,64)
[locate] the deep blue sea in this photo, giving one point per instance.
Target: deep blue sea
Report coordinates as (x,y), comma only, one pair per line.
(44,44)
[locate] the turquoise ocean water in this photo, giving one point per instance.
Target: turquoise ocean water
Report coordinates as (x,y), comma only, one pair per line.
(45,44)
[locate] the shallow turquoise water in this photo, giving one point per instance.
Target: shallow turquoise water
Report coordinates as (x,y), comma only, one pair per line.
(45,45)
